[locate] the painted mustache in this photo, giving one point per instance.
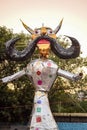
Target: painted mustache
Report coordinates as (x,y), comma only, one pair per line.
(72,52)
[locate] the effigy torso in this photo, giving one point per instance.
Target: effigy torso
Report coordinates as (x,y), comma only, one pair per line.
(42,73)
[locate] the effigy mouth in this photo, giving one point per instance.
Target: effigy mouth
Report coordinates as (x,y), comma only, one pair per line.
(43,41)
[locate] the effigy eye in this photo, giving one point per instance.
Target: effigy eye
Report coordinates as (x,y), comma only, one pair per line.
(37,31)
(50,31)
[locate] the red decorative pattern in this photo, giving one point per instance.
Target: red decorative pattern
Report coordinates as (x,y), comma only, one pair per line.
(37,129)
(38,119)
(38,72)
(49,64)
(39,82)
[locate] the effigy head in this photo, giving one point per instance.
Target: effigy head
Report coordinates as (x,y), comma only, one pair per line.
(45,39)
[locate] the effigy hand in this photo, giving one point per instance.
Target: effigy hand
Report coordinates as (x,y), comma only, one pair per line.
(6,79)
(14,76)
(78,76)
(69,75)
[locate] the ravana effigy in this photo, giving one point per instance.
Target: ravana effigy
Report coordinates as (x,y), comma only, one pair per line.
(42,72)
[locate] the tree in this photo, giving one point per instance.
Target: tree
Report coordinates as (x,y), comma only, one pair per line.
(64,92)
(14,102)
(5,35)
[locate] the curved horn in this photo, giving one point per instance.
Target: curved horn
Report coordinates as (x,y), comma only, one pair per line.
(27,28)
(58,27)
(63,53)
(16,55)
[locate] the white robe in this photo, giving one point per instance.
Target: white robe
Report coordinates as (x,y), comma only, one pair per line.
(42,74)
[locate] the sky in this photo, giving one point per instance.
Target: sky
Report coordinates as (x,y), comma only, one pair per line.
(36,12)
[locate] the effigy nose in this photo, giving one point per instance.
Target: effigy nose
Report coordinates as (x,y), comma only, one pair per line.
(43,31)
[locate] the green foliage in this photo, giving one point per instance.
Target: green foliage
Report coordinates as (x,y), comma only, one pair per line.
(5,35)
(61,93)
(16,105)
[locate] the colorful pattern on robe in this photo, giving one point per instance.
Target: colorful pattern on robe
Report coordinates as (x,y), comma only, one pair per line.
(42,73)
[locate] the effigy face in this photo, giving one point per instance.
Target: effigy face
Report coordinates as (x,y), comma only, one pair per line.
(44,38)
(43,73)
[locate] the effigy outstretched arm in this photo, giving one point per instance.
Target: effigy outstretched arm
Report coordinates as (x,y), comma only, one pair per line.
(14,76)
(68,75)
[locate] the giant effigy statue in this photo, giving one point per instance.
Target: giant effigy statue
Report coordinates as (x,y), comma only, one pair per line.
(42,72)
